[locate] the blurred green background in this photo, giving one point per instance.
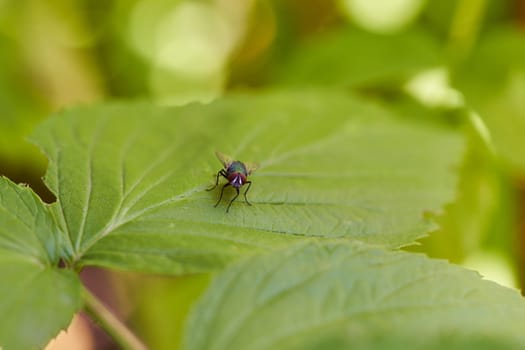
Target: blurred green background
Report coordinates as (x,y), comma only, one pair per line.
(460,62)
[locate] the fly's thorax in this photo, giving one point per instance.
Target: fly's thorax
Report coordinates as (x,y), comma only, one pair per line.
(237,167)
(237,179)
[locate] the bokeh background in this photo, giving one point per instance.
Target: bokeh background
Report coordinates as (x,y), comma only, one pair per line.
(461,61)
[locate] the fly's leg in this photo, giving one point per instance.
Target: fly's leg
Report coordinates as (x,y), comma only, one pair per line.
(220,173)
(249,185)
(220,197)
(235,197)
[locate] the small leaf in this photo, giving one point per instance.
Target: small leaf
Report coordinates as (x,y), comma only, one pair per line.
(350,293)
(130,179)
(493,82)
(37,299)
(355,58)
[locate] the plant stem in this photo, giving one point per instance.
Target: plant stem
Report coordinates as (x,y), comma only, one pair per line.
(111,324)
(465,27)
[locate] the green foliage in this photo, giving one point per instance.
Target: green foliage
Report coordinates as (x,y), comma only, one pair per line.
(352,58)
(348,293)
(37,299)
(131,189)
(131,193)
(169,299)
(493,81)
(342,182)
(17,116)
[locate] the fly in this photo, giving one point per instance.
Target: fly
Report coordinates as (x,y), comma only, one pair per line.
(236,172)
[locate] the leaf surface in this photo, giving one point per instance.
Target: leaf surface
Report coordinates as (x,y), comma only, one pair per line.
(334,294)
(130,179)
(37,299)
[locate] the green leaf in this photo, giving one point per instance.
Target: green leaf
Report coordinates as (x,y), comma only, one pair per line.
(493,82)
(130,179)
(345,341)
(351,58)
(37,299)
(317,294)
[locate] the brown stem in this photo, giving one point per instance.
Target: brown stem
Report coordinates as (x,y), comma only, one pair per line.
(111,324)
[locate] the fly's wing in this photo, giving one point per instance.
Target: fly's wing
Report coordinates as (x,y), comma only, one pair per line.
(251,167)
(226,160)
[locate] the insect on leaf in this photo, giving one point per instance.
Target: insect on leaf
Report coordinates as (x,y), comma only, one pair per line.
(131,191)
